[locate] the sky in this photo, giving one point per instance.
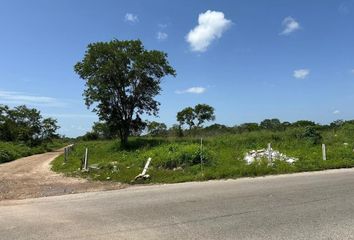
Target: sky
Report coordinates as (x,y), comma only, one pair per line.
(249,59)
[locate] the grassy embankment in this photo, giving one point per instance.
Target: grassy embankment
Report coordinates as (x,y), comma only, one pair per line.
(178,159)
(10,151)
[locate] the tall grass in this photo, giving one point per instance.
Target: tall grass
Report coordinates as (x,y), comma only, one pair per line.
(178,159)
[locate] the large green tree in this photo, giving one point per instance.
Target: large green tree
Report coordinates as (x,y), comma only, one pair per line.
(195,117)
(122,79)
(23,124)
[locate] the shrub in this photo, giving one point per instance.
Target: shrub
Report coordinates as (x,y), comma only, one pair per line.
(312,135)
(171,156)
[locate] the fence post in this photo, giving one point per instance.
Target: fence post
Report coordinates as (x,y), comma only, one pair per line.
(324,157)
(201,155)
(86,159)
(269,152)
(65,154)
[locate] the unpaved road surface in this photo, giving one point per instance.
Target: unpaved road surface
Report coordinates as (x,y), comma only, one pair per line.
(298,206)
(31,177)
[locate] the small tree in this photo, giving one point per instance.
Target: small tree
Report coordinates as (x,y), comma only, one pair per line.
(195,117)
(203,112)
(271,124)
(49,128)
(156,128)
(122,78)
(311,134)
(186,116)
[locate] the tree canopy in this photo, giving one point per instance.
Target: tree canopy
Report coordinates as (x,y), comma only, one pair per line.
(122,78)
(23,124)
(195,117)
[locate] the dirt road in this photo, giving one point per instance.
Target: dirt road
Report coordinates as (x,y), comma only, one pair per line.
(31,177)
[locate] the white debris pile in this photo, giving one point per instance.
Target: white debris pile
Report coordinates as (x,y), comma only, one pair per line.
(269,154)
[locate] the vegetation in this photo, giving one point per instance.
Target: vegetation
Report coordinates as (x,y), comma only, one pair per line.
(195,117)
(10,151)
(177,159)
(122,79)
(23,132)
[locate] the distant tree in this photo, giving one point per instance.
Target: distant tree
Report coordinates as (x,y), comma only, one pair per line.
(203,112)
(122,79)
(286,124)
(186,116)
(102,130)
(49,129)
(247,127)
(175,130)
(303,123)
(23,124)
(336,124)
(195,117)
(311,134)
(271,124)
(27,122)
(156,128)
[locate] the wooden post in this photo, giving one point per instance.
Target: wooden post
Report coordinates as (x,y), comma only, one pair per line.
(65,154)
(201,155)
(324,157)
(269,152)
(146,167)
(86,159)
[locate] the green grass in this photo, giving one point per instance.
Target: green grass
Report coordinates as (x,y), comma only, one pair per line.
(177,159)
(10,151)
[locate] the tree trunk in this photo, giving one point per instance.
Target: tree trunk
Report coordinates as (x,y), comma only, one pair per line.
(124,138)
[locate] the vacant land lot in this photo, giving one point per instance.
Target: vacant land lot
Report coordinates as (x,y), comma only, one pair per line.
(179,159)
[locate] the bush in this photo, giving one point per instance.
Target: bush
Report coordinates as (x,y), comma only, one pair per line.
(312,135)
(183,155)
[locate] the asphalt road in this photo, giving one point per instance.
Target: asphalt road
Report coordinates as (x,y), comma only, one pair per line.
(299,206)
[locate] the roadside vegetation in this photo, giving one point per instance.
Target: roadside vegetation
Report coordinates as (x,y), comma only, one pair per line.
(178,159)
(24,132)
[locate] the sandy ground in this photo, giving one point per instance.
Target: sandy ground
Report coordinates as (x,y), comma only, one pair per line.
(31,177)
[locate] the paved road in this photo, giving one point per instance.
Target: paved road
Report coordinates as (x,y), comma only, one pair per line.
(300,206)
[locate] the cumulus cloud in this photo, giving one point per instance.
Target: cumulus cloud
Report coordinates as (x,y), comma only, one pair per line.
(9,97)
(211,26)
(195,90)
(161,36)
(336,112)
(290,25)
(129,17)
(301,73)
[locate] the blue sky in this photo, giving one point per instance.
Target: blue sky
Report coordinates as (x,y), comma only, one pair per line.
(250,60)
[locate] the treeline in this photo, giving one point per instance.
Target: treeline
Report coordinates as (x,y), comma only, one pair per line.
(26,125)
(159,129)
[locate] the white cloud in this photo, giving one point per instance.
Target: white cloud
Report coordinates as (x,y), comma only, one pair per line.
(161,36)
(129,17)
(336,112)
(211,26)
(352,71)
(290,25)
(9,97)
(195,90)
(301,73)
